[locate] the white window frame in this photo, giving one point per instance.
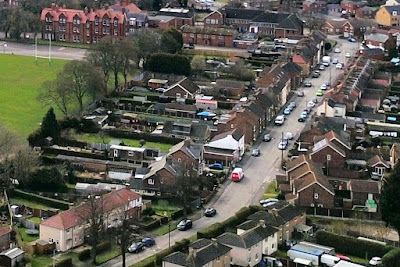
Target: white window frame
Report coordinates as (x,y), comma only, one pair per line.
(150,181)
(316,195)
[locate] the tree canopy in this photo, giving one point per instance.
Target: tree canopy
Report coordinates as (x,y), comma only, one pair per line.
(50,125)
(390,199)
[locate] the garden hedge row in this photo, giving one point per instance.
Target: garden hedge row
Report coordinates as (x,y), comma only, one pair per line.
(351,245)
(152,225)
(84,254)
(55,151)
(103,246)
(67,262)
(58,204)
(178,246)
(118,133)
(392,258)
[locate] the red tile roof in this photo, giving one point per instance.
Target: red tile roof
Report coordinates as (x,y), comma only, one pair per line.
(129,6)
(75,216)
(56,12)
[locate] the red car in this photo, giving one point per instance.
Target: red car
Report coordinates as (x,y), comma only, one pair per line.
(343,257)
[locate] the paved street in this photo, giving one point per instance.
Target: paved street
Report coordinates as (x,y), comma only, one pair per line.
(259,171)
(42,51)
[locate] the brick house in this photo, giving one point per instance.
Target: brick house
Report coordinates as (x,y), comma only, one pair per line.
(282,216)
(351,6)
(190,153)
(314,6)
(357,27)
(208,36)
(171,17)
(202,252)
(379,38)
(388,16)
(365,12)
(394,154)
(184,88)
(334,26)
(67,229)
(277,25)
(362,190)
(82,26)
(378,166)
(140,156)
(328,154)
(240,18)
(230,87)
(214,19)
(296,74)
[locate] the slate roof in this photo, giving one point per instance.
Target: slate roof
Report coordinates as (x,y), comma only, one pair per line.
(246,240)
(267,217)
(360,23)
(291,22)
(377,159)
(141,17)
(185,84)
(247,225)
(363,186)
(236,134)
(230,84)
(390,9)
(289,212)
(271,17)
(209,30)
(241,13)
(377,37)
(193,150)
(292,67)
(158,165)
(179,106)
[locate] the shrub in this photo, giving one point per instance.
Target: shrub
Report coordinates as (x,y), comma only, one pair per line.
(211,231)
(230,222)
(84,254)
(152,225)
(104,246)
(149,211)
(351,245)
(67,262)
(168,63)
(242,214)
(178,246)
(176,214)
(392,258)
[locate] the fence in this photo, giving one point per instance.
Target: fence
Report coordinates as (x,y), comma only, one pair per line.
(341,213)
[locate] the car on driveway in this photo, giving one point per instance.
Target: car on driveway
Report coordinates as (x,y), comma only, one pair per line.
(136,247)
(210,212)
(283,144)
(267,138)
(216,166)
(287,111)
(255,152)
(307,84)
(184,225)
(267,202)
(337,50)
(319,93)
(339,66)
(148,242)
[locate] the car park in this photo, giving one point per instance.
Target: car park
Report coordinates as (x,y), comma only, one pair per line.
(279,120)
(267,138)
(319,93)
(136,247)
(287,111)
(184,225)
(289,135)
(335,61)
(375,261)
(210,212)
(216,166)
(337,50)
(307,84)
(283,144)
(300,94)
(339,66)
(347,55)
(323,87)
(256,152)
(148,242)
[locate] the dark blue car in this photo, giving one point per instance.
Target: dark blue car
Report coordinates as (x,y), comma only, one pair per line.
(216,166)
(148,242)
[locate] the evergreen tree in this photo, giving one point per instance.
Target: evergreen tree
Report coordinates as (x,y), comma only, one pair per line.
(50,125)
(390,199)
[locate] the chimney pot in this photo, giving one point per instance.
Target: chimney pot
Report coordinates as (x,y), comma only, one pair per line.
(106,6)
(262,223)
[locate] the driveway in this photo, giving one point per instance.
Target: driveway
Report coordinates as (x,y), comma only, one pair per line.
(259,171)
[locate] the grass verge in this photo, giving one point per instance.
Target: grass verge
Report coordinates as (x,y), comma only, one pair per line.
(159,210)
(271,191)
(144,262)
(164,229)
(41,261)
(106,256)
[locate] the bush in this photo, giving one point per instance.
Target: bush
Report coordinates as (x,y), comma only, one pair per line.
(84,254)
(67,262)
(168,63)
(392,258)
(118,133)
(242,214)
(152,225)
(176,214)
(104,246)
(351,245)
(230,222)
(211,231)
(47,179)
(148,211)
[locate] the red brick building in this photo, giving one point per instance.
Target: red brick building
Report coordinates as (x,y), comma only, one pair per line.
(208,36)
(351,6)
(214,19)
(325,152)
(171,17)
(82,26)
(365,12)
(313,6)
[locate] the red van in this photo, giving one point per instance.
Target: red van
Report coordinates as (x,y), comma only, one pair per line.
(237,174)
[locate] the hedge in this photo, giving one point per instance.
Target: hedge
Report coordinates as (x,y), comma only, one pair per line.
(103,246)
(152,225)
(230,222)
(67,262)
(84,254)
(211,231)
(118,133)
(58,204)
(392,258)
(178,246)
(351,245)
(168,63)
(55,151)
(176,214)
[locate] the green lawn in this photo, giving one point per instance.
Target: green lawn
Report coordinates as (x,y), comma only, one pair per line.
(20,82)
(161,209)
(25,237)
(271,191)
(165,229)
(35,219)
(31,204)
(94,138)
(41,261)
(106,256)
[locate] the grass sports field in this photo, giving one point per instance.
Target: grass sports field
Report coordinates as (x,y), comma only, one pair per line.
(20,80)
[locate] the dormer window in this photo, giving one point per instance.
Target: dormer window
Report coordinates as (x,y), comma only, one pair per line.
(96,20)
(115,22)
(49,19)
(394,13)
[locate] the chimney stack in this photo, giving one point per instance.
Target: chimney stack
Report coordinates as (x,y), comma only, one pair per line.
(261,223)
(86,10)
(106,6)
(187,142)
(53,5)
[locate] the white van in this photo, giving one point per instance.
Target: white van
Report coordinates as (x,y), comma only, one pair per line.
(329,260)
(237,174)
(280,120)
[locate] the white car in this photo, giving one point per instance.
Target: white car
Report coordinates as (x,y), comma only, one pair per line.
(280,120)
(339,66)
(323,87)
(321,67)
(283,144)
(289,135)
(335,61)
(337,50)
(348,55)
(311,104)
(375,261)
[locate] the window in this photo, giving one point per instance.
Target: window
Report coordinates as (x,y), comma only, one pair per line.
(115,22)
(88,24)
(221,37)
(315,195)
(178,95)
(104,30)
(212,36)
(48,28)
(218,258)
(61,37)
(62,20)
(249,259)
(76,39)
(205,36)
(179,159)
(131,154)
(213,21)
(192,35)
(256,256)
(96,20)
(379,170)
(150,181)
(49,19)
(132,21)
(115,32)
(96,30)
(77,21)
(199,36)
(67,230)
(208,21)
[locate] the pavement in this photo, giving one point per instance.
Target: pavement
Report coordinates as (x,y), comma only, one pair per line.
(259,171)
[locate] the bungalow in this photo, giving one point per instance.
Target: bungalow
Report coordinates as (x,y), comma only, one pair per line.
(185,88)
(141,156)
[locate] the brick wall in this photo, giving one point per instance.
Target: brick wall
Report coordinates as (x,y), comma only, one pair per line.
(336,159)
(307,197)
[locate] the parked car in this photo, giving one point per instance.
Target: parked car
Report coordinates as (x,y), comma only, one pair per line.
(347,55)
(300,94)
(210,212)
(148,242)
(283,144)
(310,104)
(307,110)
(267,138)
(339,66)
(375,261)
(343,257)
(337,50)
(323,87)
(216,166)
(287,111)
(292,104)
(255,152)
(304,114)
(161,90)
(321,67)
(328,84)
(307,84)
(136,247)
(268,202)
(315,100)
(301,119)
(335,61)
(319,93)
(289,135)
(351,39)
(325,64)
(316,74)
(184,225)
(279,120)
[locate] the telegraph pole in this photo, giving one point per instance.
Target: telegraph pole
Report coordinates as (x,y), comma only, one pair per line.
(282,152)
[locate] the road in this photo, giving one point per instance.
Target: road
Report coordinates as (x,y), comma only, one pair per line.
(259,171)
(58,52)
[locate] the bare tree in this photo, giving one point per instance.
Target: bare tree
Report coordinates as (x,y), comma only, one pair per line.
(124,232)
(57,93)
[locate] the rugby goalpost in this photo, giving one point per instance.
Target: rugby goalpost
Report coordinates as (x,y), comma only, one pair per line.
(36,52)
